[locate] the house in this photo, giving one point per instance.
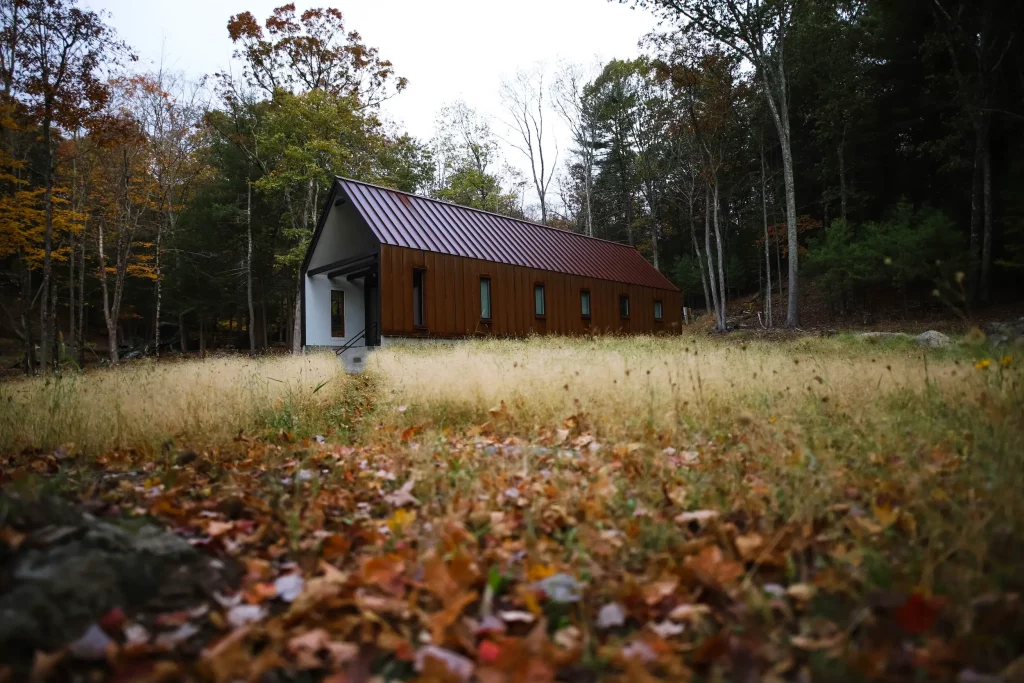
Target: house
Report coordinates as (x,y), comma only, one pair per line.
(386,265)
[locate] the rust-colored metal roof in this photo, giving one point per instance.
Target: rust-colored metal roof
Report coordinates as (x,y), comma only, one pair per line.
(401,219)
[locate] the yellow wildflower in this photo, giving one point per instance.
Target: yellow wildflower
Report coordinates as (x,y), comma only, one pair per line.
(1005,362)
(983,364)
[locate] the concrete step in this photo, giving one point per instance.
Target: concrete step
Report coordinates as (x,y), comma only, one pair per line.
(354,359)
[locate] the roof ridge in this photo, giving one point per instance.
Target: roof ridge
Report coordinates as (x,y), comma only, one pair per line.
(489,213)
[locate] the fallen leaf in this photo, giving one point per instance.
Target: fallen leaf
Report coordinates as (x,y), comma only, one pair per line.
(561,588)
(802,592)
(172,639)
(439,662)
(690,613)
(700,516)
(289,587)
(309,647)
(918,614)
(12,537)
(93,644)
(667,629)
(401,519)
(517,616)
(886,514)
(402,496)
(812,644)
(240,615)
(749,546)
(711,565)
(610,616)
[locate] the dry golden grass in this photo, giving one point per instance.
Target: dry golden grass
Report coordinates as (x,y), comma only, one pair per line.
(635,386)
(143,403)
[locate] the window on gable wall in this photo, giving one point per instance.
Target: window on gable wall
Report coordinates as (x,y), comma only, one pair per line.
(337,314)
(585,303)
(485,298)
(658,310)
(538,300)
(624,306)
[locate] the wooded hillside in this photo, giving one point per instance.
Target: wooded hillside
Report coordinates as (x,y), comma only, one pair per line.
(870,150)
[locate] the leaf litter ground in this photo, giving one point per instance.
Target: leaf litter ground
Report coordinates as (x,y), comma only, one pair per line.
(483,553)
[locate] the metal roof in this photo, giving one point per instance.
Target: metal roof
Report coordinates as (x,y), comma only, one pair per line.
(401,219)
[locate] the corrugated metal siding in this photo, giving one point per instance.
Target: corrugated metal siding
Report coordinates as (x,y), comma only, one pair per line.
(452,299)
(406,220)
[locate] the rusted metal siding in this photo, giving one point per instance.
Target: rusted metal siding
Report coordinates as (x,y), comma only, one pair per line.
(452,299)
(404,220)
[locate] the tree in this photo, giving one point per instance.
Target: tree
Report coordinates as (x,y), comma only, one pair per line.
(311,51)
(576,109)
(468,168)
(978,38)
(319,116)
(613,108)
(706,83)
(60,58)
(125,198)
(525,100)
(754,30)
(170,112)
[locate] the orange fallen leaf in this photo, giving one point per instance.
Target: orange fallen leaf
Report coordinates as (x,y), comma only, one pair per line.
(710,564)
(749,546)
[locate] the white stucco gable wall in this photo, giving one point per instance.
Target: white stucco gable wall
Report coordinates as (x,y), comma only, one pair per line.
(344,235)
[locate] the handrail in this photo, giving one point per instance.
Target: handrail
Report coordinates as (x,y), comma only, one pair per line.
(352,342)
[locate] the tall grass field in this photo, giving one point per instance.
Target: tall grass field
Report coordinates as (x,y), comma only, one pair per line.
(798,491)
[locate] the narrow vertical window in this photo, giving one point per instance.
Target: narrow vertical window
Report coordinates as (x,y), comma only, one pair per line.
(337,313)
(658,311)
(485,298)
(585,303)
(538,300)
(417,298)
(624,306)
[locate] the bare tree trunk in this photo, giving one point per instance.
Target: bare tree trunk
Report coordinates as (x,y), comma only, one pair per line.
(707,248)
(586,198)
(159,292)
(71,293)
(721,269)
(183,331)
(54,336)
(248,268)
(793,308)
(629,219)
(110,321)
(767,253)
(26,315)
(80,332)
(780,115)
(654,243)
(45,339)
(700,261)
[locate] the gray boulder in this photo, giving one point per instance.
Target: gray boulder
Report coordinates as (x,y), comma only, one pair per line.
(933,340)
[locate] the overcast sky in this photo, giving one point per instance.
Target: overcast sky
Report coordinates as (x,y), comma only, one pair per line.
(448,49)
